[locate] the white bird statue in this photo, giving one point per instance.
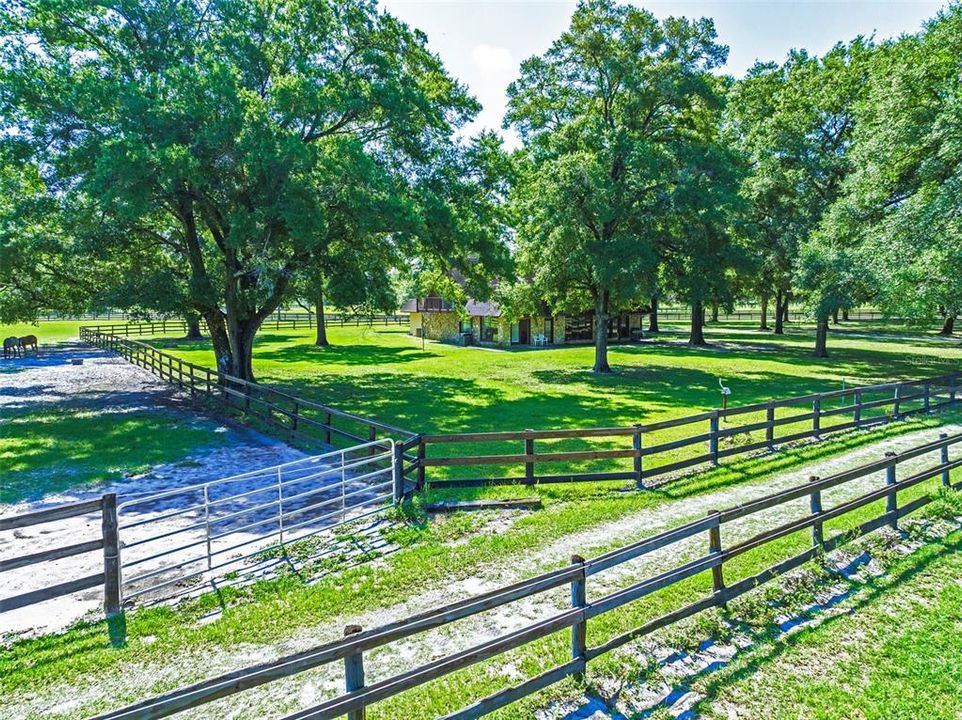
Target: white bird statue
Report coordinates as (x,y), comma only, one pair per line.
(725,391)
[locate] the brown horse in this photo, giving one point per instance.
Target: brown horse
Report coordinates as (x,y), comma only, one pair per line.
(11,346)
(28,341)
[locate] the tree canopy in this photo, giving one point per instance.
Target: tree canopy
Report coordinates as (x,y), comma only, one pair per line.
(607,115)
(245,139)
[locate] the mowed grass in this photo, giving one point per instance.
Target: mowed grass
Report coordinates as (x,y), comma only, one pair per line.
(270,612)
(57,450)
(46,331)
(895,657)
(386,374)
(60,447)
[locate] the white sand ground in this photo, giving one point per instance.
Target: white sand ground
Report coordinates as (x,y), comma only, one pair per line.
(108,384)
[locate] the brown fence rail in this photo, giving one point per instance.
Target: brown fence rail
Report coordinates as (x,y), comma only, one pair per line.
(660,448)
(351,649)
(296,417)
(108,542)
(672,314)
(278,321)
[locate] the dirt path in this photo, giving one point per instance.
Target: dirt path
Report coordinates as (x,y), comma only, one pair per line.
(135,680)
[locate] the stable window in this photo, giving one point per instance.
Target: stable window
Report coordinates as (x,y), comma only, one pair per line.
(578,328)
(465,326)
(489,330)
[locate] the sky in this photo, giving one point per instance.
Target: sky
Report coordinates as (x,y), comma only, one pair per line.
(482,43)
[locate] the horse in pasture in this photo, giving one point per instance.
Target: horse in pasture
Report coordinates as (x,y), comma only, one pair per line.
(12,347)
(29,341)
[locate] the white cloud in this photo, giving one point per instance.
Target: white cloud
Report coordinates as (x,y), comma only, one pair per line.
(492,58)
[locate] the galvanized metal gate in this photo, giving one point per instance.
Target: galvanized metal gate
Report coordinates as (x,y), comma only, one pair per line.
(174,540)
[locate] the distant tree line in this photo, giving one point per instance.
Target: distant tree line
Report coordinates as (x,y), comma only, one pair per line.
(219,159)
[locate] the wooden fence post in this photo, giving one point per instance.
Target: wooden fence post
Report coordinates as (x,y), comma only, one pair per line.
(579,599)
(327,428)
(714,547)
(927,397)
(891,504)
(818,536)
(857,415)
(295,415)
(817,417)
(952,389)
(422,453)
(897,403)
(529,452)
(371,437)
(639,468)
(944,459)
(113,592)
(713,439)
(354,673)
(770,428)
(398,471)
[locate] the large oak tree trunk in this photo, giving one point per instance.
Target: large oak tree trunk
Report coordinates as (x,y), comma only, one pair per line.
(763,323)
(779,313)
(834,317)
(697,336)
(241,334)
(948,327)
(714,312)
(653,317)
(845,315)
(321,338)
(219,338)
(787,302)
(601,334)
(821,337)
(193,326)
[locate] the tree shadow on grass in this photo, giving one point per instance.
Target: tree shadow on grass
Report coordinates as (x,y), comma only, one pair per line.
(352,354)
(873,591)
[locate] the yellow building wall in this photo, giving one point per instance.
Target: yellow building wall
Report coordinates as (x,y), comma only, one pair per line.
(415,319)
(441,326)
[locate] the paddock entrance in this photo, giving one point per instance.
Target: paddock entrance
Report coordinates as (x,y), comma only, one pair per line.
(239,526)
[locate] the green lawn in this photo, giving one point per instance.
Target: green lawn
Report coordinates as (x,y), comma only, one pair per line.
(60,449)
(896,656)
(431,554)
(46,332)
(385,373)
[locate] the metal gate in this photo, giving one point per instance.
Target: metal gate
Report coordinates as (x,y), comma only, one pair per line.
(184,536)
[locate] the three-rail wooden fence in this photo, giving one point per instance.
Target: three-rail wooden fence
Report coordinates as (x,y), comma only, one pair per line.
(653,450)
(358,695)
(277,321)
(108,542)
(649,451)
(293,416)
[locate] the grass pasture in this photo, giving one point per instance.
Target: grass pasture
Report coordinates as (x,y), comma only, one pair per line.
(57,450)
(272,615)
(437,388)
(386,374)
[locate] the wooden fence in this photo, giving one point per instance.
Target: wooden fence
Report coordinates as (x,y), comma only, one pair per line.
(108,541)
(656,449)
(350,651)
(672,314)
(295,417)
(278,321)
